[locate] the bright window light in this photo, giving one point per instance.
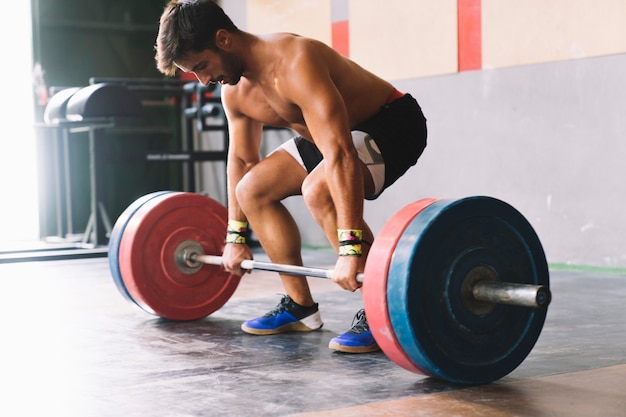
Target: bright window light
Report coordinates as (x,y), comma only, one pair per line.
(19,219)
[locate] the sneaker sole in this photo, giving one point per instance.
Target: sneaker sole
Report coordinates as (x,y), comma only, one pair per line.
(290,327)
(353,349)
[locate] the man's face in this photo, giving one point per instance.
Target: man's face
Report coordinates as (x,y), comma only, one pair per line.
(213,66)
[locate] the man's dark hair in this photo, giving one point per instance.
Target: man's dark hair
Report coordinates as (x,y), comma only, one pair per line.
(188,26)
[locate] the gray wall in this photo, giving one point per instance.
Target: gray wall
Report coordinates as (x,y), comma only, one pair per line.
(549,139)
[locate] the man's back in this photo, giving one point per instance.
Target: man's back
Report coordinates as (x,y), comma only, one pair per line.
(290,71)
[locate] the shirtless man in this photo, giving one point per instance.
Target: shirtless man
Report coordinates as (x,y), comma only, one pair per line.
(357,135)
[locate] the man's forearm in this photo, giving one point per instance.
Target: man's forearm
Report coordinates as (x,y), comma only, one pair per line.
(346,188)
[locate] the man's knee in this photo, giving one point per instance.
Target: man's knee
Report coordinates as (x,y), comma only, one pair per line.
(248,192)
(316,194)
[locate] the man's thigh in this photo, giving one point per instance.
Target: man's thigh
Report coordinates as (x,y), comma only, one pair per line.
(277,176)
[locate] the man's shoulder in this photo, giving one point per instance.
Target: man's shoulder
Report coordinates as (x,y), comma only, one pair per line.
(242,97)
(238,91)
(283,41)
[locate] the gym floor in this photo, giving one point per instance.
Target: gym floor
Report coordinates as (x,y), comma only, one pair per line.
(73,346)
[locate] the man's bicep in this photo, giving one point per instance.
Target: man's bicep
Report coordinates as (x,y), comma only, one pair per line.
(244,139)
(325,116)
(244,132)
(313,90)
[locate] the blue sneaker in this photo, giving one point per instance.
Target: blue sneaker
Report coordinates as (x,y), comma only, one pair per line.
(358,339)
(287,316)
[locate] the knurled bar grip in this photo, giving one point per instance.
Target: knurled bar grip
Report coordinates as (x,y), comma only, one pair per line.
(524,295)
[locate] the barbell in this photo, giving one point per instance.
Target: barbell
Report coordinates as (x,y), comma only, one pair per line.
(456,289)
(190,255)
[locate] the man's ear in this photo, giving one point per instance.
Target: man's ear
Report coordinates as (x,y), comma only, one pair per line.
(223,39)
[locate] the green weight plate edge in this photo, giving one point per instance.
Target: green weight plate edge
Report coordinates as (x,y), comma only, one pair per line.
(435,329)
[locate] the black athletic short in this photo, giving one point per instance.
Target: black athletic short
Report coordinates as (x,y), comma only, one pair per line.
(399,130)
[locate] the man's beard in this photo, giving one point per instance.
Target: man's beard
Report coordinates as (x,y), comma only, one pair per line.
(233,68)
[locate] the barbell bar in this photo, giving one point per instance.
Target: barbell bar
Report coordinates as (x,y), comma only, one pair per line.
(523,295)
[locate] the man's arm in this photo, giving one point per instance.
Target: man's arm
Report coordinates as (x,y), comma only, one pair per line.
(243,149)
(312,89)
(243,153)
(309,85)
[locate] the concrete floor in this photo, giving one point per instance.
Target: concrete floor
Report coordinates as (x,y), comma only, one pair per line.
(73,346)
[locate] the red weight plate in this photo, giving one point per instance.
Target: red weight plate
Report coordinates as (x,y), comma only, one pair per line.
(148,262)
(375,282)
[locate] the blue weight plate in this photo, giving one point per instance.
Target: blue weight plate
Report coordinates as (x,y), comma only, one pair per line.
(116,237)
(433,257)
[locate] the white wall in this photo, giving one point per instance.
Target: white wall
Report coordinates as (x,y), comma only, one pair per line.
(550,139)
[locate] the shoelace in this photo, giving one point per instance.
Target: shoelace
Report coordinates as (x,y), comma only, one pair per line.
(359,323)
(282,306)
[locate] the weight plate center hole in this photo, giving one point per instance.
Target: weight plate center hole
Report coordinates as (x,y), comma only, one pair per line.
(479,273)
(183,257)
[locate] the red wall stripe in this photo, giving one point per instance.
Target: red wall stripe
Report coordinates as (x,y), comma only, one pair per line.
(341,37)
(470,35)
